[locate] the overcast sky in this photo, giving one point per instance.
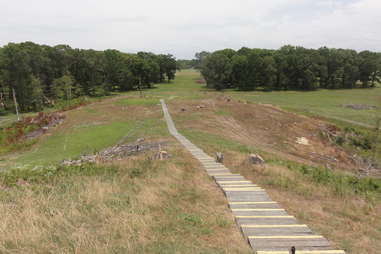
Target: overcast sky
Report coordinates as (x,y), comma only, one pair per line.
(185,27)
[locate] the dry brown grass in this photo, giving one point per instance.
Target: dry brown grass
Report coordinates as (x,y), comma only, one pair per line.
(146,207)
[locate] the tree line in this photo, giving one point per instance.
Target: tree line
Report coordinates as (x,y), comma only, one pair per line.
(37,75)
(289,68)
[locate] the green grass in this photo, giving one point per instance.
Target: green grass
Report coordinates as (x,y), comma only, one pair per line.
(326,103)
(323,103)
(341,184)
(138,101)
(76,142)
(89,139)
(183,87)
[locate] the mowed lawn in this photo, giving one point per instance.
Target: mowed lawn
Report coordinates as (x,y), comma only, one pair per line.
(92,128)
(329,104)
(326,103)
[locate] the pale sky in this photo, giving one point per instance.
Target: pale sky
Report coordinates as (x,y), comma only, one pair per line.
(185,27)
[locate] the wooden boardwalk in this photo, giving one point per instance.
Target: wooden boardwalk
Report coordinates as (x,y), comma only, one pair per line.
(267,227)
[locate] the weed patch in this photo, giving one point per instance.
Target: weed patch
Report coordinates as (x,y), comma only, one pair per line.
(342,184)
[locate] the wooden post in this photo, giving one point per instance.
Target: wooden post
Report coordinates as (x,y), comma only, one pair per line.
(2,100)
(140,87)
(16,105)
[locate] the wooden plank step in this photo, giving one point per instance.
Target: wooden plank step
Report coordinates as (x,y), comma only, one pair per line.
(320,248)
(239,189)
(284,245)
(260,213)
(243,183)
(265,221)
(229,178)
(256,209)
(276,231)
(229,174)
(302,252)
(301,243)
(249,198)
(213,173)
(255,206)
(212,163)
(215,165)
(216,169)
(286,237)
(235,177)
(274,226)
(251,203)
(238,185)
(264,217)
(233,182)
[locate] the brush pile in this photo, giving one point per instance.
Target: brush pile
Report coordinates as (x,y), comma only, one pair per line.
(120,151)
(31,127)
(42,122)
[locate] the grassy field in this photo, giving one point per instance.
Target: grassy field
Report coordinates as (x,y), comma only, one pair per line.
(139,205)
(91,128)
(329,104)
(338,205)
(136,205)
(326,103)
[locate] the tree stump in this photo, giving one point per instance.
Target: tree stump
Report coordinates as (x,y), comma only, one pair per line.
(219,157)
(256,159)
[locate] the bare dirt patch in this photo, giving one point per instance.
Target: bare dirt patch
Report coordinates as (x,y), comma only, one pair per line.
(267,128)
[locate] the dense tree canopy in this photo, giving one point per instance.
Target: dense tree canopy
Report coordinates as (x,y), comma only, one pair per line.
(40,74)
(290,67)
